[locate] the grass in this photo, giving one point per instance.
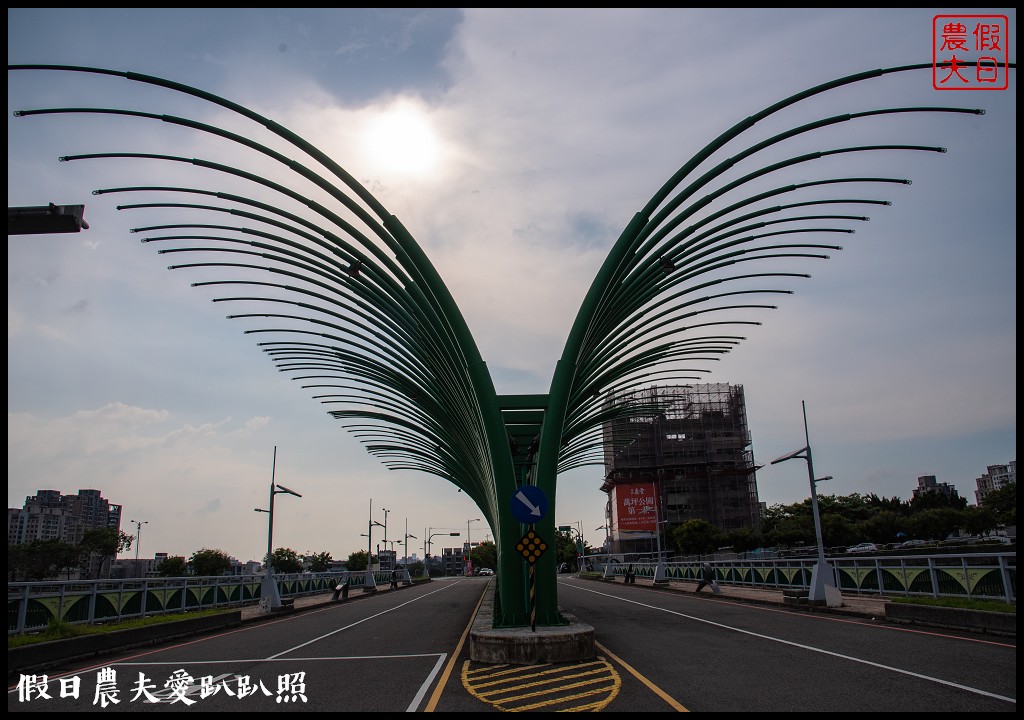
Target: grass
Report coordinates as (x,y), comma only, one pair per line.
(62,631)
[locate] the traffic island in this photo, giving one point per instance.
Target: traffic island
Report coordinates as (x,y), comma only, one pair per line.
(573,642)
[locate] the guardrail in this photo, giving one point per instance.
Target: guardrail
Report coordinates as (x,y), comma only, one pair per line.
(32,606)
(980,576)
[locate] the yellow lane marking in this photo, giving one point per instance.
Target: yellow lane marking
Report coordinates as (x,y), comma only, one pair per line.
(654,688)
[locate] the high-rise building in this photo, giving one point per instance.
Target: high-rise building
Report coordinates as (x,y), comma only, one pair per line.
(995,477)
(49,515)
(929,484)
(673,454)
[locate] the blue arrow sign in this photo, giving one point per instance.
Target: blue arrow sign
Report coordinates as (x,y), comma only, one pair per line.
(529,504)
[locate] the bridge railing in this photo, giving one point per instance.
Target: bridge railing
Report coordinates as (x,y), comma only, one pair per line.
(32,606)
(980,576)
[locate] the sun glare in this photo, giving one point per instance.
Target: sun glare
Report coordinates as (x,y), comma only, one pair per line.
(401,141)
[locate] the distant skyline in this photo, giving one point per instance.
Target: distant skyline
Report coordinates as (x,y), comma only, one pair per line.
(514,145)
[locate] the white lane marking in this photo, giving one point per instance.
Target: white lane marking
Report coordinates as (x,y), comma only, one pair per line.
(803,647)
(427,682)
(358,622)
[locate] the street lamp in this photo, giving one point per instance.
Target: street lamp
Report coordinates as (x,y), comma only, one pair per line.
(406,580)
(370,584)
(823,583)
(430,535)
(469,548)
(269,585)
(386,511)
(138,541)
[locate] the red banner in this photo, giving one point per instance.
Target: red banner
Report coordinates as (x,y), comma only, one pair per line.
(636,505)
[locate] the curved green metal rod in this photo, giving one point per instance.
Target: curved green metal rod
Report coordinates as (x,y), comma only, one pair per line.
(419,267)
(648,336)
(650,315)
(336,240)
(227,169)
(589,395)
(368,271)
(583,373)
(566,371)
(589,416)
(373,371)
(452,422)
(767,170)
(665,223)
(395,293)
(611,308)
(249,242)
(264,256)
(350,370)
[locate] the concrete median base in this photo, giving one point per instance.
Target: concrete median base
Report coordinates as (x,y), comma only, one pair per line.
(522,646)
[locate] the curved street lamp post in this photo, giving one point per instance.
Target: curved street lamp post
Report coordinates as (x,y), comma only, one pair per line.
(823,581)
(406,579)
(269,589)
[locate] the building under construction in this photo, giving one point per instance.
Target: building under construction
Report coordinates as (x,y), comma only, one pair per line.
(674,454)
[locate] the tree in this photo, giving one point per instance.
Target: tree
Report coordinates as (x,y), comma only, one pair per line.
(104,543)
(696,537)
(319,562)
(286,560)
(744,540)
(172,567)
(935,523)
(356,560)
(936,500)
(207,562)
(882,527)
(1003,503)
(41,559)
(484,555)
(565,548)
(979,521)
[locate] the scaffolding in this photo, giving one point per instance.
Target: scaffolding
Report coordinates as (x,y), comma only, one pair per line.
(693,443)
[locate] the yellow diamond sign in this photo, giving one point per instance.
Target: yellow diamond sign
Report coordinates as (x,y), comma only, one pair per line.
(531,547)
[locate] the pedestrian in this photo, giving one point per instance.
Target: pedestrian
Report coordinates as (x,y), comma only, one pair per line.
(707,577)
(394,579)
(630,576)
(342,590)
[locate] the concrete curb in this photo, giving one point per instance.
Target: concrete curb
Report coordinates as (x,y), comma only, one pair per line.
(40,656)
(980,621)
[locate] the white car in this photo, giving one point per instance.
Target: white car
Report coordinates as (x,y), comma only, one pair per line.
(486,571)
(912,543)
(863,548)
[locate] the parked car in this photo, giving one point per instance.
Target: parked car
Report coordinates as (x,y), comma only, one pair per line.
(913,543)
(863,548)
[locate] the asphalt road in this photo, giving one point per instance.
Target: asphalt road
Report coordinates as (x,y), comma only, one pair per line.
(657,652)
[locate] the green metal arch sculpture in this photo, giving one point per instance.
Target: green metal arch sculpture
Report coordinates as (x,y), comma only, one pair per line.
(360,309)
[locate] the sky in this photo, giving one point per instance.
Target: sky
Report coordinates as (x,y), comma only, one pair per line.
(515,145)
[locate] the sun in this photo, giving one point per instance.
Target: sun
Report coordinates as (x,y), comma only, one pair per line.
(400,140)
